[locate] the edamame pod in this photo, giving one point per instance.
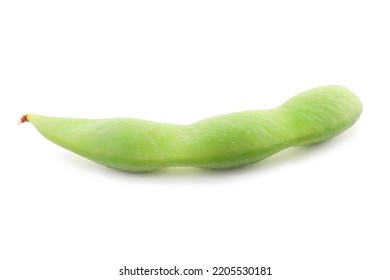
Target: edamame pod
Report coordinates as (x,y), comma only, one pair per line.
(219,142)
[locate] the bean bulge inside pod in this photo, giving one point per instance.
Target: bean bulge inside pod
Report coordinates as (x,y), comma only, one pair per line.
(219,142)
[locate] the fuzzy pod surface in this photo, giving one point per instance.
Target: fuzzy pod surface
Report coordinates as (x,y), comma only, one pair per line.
(219,142)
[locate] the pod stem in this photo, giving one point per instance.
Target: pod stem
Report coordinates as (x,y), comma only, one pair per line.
(23,119)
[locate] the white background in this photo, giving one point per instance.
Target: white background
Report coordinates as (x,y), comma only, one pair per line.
(309,213)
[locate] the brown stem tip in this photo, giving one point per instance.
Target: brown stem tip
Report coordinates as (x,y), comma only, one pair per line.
(23,119)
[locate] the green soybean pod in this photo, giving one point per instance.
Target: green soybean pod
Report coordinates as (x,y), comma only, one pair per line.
(219,142)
